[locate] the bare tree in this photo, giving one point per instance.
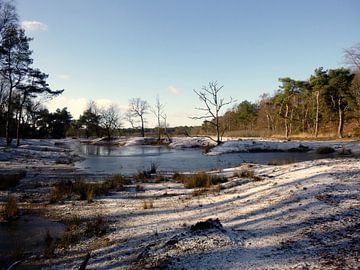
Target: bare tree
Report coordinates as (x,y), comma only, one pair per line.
(165,124)
(129,116)
(138,108)
(213,104)
(352,56)
(110,119)
(158,111)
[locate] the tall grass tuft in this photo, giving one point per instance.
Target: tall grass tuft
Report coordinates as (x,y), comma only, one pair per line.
(148,204)
(86,191)
(11,208)
(248,174)
(199,180)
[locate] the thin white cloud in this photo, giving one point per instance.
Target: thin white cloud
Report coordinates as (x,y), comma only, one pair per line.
(173,90)
(34,26)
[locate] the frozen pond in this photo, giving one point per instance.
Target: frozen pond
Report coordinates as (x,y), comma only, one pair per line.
(131,159)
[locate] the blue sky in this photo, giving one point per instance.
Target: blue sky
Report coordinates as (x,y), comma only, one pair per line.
(113,50)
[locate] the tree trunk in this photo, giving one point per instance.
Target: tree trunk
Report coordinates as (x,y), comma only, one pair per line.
(19,121)
(305,121)
(291,120)
(341,120)
(108,133)
(159,130)
(142,127)
(9,118)
(286,121)
(218,141)
(317,114)
(18,127)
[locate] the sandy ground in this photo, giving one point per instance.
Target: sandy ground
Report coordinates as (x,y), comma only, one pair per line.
(299,216)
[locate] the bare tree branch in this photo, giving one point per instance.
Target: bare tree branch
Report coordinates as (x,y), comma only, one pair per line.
(209,95)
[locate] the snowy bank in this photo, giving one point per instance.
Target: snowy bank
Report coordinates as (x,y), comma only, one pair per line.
(35,150)
(264,145)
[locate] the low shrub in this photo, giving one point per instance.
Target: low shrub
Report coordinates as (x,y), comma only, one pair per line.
(96,227)
(61,190)
(71,232)
(86,191)
(11,180)
(11,208)
(148,204)
(325,150)
(147,174)
(77,229)
(199,180)
(247,173)
(215,189)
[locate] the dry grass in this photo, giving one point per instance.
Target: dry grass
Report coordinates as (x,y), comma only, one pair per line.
(147,174)
(11,208)
(96,227)
(199,192)
(77,229)
(147,204)
(199,180)
(84,190)
(248,174)
(214,189)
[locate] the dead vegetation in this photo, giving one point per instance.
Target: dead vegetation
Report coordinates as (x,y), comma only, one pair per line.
(148,204)
(85,190)
(76,230)
(248,174)
(10,210)
(199,180)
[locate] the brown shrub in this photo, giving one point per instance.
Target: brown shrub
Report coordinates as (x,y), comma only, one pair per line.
(199,180)
(148,204)
(11,208)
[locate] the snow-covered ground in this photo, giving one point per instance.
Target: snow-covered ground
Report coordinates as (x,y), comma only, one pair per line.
(248,145)
(300,216)
(35,150)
